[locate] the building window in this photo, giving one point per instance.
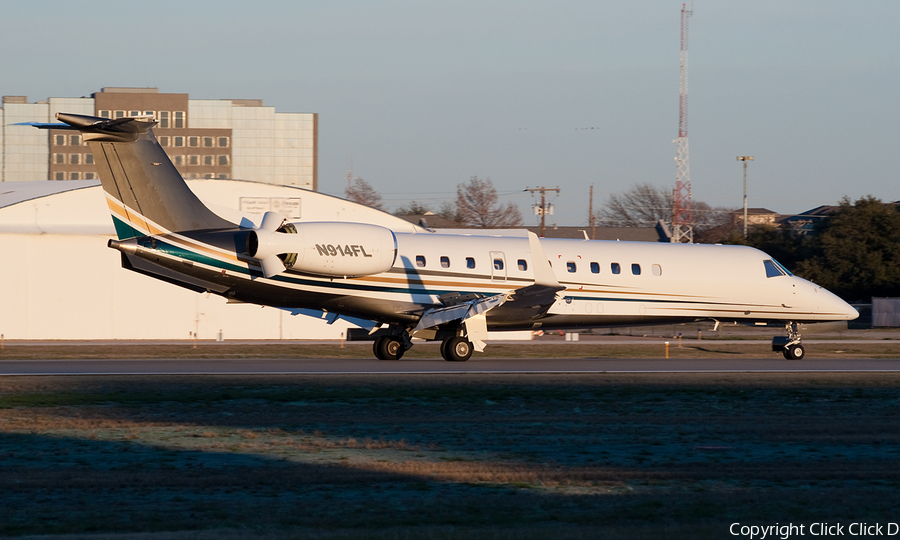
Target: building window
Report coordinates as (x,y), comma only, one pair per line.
(89,159)
(59,140)
(208,142)
(223,142)
(75,140)
(208,176)
(470,262)
(194,160)
(636,269)
(134,113)
(164,119)
(522,265)
(570,267)
(208,160)
(151,114)
(595,268)
(74,159)
(179,141)
(120,114)
(104,114)
(74,176)
(194,141)
(222,176)
(59,158)
(178,120)
(615,268)
(178,160)
(88,176)
(223,160)
(163,141)
(60,176)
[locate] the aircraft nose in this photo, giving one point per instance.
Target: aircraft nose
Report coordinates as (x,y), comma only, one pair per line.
(843,310)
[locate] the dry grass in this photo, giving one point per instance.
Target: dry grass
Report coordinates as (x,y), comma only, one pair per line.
(443,456)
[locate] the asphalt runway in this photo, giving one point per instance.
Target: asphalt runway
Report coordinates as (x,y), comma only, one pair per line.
(263,366)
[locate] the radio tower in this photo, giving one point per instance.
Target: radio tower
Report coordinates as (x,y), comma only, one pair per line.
(682,208)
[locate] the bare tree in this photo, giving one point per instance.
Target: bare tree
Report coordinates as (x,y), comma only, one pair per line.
(363,193)
(643,205)
(476,206)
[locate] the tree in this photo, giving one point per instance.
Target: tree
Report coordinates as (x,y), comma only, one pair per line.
(641,206)
(414,208)
(361,192)
(644,205)
(476,206)
(856,251)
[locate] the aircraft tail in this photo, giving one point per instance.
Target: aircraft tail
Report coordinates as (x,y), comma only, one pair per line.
(145,193)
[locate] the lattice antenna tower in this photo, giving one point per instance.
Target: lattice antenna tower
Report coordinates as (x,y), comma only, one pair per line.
(682,206)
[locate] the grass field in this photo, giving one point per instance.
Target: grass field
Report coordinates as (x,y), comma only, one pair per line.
(444,456)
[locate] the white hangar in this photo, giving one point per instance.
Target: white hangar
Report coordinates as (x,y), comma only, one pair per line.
(60,280)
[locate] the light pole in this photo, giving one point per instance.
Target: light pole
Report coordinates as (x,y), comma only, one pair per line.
(745,159)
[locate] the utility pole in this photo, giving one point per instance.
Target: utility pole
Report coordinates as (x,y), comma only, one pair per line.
(745,159)
(543,208)
(591,219)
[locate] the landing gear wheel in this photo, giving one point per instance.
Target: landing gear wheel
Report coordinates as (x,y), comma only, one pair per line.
(388,348)
(794,352)
(456,349)
(376,347)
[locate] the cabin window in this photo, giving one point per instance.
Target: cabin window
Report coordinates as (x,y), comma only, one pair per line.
(498,264)
(657,270)
(615,268)
(420,261)
(636,269)
(445,261)
(470,262)
(595,268)
(570,266)
(522,265)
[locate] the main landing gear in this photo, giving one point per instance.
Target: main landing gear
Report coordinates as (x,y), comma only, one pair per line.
(392,346)
(790,345)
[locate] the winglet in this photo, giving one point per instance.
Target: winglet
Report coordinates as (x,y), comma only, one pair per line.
(543,275)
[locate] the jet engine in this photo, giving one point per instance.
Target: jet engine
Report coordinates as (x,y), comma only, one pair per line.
(322,248)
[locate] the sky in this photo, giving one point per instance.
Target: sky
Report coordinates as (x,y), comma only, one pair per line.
(416,97)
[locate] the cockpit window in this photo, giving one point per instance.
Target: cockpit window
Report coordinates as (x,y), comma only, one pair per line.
(773,269)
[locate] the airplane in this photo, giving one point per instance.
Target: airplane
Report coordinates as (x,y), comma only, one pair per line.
(446,285)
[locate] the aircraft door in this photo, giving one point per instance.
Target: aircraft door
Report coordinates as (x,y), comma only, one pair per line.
(498,266)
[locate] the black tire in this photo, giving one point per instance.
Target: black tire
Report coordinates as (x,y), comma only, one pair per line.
(376,347)
(794,352)
(457,349)
(390,348)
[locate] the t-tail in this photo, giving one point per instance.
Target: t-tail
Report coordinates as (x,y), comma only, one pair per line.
(145,193)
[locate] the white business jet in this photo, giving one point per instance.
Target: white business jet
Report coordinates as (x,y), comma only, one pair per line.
(451,286)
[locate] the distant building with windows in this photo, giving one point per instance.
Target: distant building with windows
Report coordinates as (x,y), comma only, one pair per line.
(227,138)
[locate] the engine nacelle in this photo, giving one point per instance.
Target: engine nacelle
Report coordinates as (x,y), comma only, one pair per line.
(324,248)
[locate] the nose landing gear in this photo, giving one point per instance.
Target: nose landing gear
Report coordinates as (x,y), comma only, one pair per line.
(790,345)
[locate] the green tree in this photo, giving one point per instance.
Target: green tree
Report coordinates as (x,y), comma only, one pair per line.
(856,251)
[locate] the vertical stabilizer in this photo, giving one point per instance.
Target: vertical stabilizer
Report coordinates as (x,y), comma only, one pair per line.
(145,193)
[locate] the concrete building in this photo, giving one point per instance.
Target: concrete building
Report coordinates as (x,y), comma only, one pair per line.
(227,138)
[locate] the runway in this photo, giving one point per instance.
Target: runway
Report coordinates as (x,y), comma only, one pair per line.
(264,366)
